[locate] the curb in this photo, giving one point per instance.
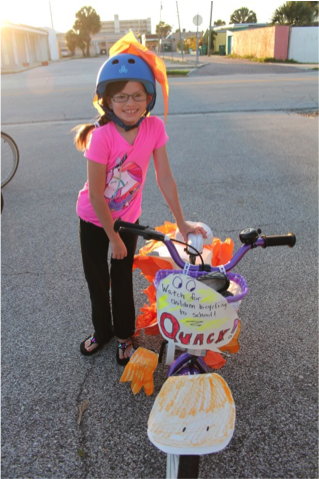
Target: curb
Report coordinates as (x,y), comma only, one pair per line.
(20,70)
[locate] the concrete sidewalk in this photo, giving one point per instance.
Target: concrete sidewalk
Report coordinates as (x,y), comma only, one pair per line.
(175,61)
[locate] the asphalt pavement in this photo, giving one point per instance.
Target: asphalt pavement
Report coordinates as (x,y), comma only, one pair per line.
(244,152)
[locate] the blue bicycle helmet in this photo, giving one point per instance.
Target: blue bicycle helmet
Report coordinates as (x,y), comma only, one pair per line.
(125,67)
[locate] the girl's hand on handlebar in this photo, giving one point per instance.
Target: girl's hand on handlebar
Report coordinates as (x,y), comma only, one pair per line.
(118,248)
(187,228)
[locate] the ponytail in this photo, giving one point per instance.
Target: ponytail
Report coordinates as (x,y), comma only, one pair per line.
(83,132)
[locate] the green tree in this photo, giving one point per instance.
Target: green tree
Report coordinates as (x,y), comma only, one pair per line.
(205,38)
(163,29)
(294,13)
(219,23)
(71,39)
(243,15)
(87,22)
(81,43)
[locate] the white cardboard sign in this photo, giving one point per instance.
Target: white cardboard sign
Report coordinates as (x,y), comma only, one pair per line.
(193,315)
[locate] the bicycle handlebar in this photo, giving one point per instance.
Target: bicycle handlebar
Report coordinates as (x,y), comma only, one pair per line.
(280,240)
(118,223)
(145,231)
(152,234)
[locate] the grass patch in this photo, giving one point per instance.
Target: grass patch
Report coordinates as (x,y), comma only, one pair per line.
(261,60)
(309,114)
(177,72)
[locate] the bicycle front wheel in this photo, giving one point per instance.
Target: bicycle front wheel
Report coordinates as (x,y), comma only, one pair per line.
(9,158)
(182,467)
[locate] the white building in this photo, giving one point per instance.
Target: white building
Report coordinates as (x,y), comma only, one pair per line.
(22,45)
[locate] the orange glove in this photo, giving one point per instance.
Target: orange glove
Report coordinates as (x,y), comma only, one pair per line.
(140,370)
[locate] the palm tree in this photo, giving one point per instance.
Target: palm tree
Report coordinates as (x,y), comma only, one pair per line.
(294,13)
(163,29)
(87,22)
(204,40)
(219,23)
(243,15)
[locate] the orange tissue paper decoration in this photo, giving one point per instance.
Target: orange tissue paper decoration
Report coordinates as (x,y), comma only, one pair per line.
(148,319)
(214,360)
(149,265)
(233,346)
(222,251)
(167,229)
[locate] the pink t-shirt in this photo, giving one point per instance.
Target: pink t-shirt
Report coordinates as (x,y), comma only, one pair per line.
(127,166)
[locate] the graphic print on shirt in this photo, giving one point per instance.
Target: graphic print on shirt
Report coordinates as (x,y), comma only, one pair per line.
(122,184)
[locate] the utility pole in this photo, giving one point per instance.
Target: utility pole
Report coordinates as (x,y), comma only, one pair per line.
(180,32)
(210,28)
(159,30)
(51,15)
(197,45)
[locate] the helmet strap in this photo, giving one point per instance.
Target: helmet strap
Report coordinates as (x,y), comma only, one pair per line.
(111,115)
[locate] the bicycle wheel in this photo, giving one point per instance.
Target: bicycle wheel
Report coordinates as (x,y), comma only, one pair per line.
(182,467)
(9,158)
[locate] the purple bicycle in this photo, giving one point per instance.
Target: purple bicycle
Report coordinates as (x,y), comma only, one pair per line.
(197,305)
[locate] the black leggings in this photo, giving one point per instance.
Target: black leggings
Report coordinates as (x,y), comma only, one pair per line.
(94,248)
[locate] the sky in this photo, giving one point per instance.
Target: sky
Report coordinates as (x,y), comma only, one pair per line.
(36,13)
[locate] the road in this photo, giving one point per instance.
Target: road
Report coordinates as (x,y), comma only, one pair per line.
(243,153)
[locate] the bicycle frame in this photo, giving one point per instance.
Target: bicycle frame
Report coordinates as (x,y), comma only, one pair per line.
(185,362)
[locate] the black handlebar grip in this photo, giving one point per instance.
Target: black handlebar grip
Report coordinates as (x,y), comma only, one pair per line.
(135,229)
(118,223)
(147,234)
(280,240)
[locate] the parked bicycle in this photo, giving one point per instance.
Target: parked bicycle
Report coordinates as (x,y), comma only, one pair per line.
(9,158)
(194,412)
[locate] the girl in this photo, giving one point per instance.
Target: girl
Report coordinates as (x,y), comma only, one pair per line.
(118,149)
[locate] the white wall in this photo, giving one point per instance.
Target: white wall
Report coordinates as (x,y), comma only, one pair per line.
(53,44)
(303,44)
(229,34)
(44,49)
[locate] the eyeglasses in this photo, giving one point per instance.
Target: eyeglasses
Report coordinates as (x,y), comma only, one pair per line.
(123,97)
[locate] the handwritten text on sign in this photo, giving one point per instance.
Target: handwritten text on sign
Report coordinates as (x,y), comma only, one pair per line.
(193,315)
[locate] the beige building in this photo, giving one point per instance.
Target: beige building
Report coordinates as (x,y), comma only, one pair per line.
(111,32)
(123,26)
